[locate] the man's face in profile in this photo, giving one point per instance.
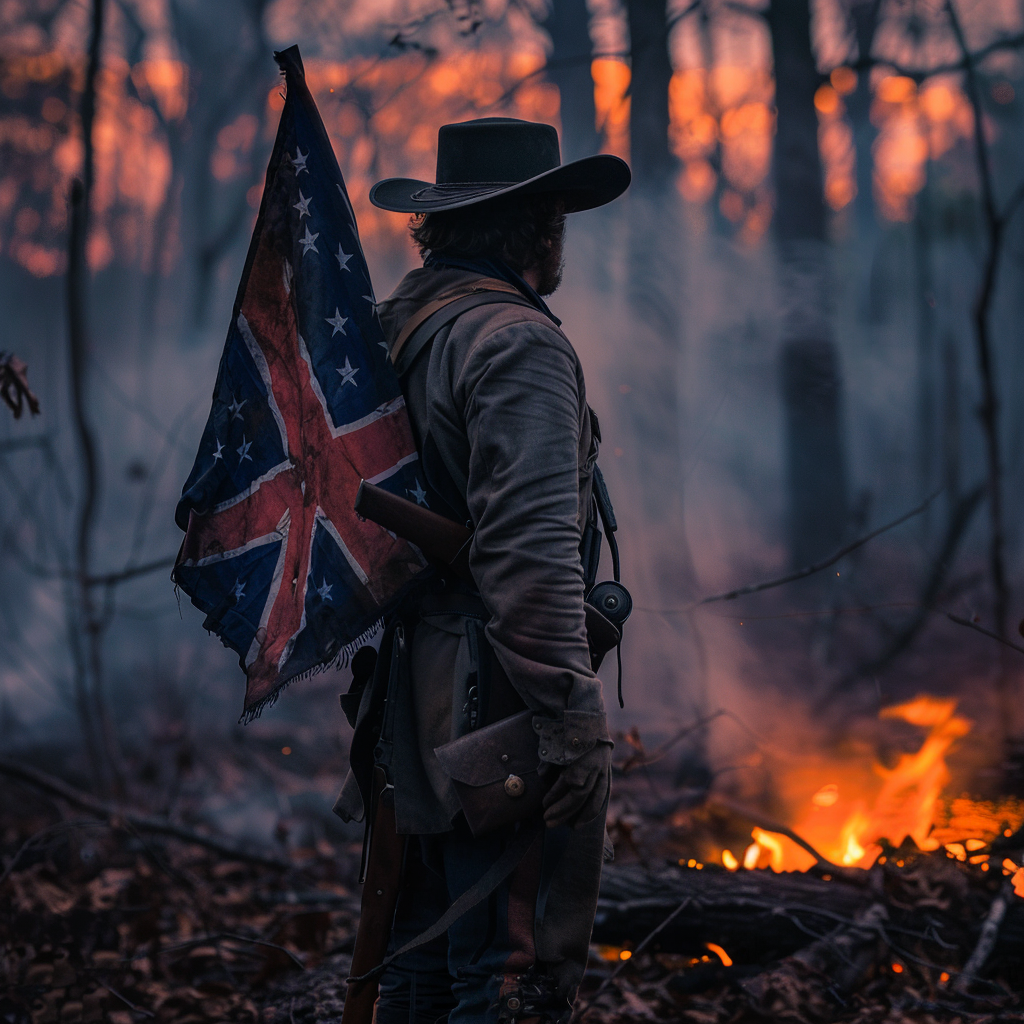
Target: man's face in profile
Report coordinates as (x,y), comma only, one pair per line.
(549,270)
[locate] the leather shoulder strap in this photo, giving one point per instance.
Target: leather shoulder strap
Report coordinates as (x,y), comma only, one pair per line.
(445,308)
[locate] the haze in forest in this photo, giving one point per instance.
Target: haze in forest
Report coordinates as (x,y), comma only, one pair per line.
(777,325)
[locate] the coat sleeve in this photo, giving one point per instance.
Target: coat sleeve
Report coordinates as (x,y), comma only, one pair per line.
(521,399)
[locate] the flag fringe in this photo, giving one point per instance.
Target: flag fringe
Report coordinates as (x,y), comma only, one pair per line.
(340,660)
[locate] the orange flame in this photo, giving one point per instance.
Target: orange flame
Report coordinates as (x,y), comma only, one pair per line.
(848,832)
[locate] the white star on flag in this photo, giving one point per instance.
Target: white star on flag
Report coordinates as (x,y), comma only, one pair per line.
(302,205)
(419,493)
(308,241)
(337,321)
(239,589)
(324,590)
(343,258)
(217,454)
(243,451)
(235,408)
(299,162)
(348,374)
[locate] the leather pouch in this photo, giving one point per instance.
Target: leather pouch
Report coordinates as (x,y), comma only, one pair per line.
(494,771)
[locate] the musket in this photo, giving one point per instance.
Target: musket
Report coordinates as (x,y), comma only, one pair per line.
(446,542)
(441,539)
(381,884)
(383,854)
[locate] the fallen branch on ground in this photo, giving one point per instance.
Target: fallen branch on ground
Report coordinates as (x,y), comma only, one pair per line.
(143,822)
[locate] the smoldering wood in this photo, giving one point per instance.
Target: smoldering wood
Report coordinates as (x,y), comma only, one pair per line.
(760,917)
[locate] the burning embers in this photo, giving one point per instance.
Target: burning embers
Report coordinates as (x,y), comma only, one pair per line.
(852,822)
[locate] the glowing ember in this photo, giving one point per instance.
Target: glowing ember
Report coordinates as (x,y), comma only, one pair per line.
(720,953)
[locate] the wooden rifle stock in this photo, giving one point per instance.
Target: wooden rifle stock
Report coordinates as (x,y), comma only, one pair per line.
(439,538)
(380,897)
(447,542)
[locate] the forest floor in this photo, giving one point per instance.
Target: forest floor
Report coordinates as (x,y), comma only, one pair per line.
(104,921)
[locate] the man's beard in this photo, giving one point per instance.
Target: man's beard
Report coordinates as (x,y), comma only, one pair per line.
(549,270)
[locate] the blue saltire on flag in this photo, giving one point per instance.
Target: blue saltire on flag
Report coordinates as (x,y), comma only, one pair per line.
(306,405)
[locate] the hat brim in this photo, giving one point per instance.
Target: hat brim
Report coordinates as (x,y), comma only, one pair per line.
(584,184)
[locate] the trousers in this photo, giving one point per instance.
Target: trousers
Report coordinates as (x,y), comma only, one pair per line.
(486,969)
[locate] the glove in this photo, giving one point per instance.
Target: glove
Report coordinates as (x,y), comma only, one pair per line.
(580,789)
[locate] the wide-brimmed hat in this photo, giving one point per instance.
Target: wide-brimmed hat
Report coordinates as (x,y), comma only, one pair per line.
(501,156)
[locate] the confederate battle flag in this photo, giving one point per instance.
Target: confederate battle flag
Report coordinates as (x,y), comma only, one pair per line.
(306,405)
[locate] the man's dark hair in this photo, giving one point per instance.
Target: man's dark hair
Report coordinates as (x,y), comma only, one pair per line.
(520,230)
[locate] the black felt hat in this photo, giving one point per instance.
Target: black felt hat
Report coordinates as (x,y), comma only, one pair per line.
(500,156)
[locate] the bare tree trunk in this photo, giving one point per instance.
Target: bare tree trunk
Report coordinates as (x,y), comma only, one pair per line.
(864,18)
(989,410)
(928,428)
(569,69)
(811,381)
(93,711)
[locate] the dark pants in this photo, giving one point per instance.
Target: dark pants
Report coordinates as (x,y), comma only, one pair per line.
(486,969)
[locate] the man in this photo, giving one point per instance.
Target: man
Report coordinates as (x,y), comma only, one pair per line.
(508,445)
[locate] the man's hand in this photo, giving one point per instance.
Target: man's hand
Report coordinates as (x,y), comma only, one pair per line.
(580,788)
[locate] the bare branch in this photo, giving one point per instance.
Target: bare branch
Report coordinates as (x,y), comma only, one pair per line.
(14,389)
(857,875)
(985,632)
(112,578)
(810,570)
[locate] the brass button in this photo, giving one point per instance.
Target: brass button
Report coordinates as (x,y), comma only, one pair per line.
(575,741)
(514,786)
(504,758)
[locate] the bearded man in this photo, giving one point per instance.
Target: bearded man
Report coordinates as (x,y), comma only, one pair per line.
(508,445)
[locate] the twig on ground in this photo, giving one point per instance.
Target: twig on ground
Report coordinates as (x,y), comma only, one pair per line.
(987,939)
(262,942)
(127,1002)
(60,826)
(144,822)
(623,964)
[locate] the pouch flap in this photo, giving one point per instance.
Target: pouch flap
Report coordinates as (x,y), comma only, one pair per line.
(490,754)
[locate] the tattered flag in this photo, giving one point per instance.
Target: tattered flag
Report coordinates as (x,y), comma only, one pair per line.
(306,404)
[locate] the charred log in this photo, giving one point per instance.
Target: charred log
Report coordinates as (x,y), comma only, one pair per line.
(932,911)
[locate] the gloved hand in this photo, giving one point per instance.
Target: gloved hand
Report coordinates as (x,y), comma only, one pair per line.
(579,789)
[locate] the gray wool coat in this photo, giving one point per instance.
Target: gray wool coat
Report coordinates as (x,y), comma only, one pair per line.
(502,395)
